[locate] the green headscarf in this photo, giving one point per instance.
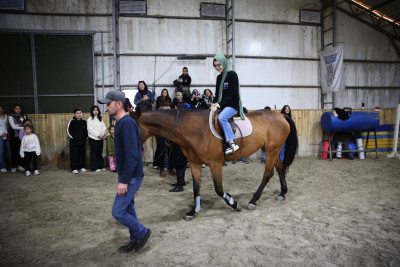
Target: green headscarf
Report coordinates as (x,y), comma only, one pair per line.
(224,62)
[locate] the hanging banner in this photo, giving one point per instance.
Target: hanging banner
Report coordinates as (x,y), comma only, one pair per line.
(332,76)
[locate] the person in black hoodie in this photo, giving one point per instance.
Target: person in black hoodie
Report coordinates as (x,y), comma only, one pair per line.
(184,81)
(77,132)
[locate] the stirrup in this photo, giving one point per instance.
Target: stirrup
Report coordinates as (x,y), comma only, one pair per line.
(231,149)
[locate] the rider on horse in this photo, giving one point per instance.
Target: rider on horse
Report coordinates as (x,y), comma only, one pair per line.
(228,99)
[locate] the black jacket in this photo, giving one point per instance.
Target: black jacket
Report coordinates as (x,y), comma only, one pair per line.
(230,94)
(176,159)
(186,80)
(198,103)
(77,131)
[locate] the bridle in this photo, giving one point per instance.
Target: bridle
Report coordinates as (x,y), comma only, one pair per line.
(170,137)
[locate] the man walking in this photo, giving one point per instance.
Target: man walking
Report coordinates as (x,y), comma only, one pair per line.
(128,155)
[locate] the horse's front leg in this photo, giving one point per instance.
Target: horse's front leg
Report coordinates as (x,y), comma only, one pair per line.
(216,171)
(196,175)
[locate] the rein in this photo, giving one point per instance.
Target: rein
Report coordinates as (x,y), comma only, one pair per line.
(173,129)
(169,140)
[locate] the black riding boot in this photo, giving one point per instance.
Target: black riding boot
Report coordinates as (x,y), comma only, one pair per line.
(180,180)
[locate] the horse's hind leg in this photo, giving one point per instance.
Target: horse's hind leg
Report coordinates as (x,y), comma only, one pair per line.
(282,179)
(216,171)
(196,175)
(268,173)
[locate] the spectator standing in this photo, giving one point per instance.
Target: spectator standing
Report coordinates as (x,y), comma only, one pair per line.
(128,153)
(15,120)
(96,130)
(178,162)
(4,141)
(144,98)
(162,101)
(30,149)
(77,132)
(110,148)
(286,110)
(163,150)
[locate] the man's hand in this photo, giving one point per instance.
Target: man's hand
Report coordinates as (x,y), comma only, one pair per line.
(215,105)
(122,188)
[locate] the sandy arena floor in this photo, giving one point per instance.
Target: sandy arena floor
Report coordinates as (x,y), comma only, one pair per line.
(338,212)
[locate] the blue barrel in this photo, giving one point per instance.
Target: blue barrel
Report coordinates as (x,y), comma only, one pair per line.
(358,121)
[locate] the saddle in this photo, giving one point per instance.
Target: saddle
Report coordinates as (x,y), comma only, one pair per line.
(241,128)
(216,124)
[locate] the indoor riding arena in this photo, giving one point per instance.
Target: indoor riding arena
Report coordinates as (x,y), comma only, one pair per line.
(334,63)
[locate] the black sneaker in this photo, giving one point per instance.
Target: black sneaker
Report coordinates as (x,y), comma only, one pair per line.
(126,248)
(139,244)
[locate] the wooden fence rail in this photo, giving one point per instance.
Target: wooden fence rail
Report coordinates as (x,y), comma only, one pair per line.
(52,132)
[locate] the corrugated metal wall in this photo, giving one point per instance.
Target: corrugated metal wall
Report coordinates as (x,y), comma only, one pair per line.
(277,58)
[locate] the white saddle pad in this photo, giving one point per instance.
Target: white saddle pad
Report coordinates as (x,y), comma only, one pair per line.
(244,125)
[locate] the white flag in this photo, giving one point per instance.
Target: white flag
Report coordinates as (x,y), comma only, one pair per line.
(332,76)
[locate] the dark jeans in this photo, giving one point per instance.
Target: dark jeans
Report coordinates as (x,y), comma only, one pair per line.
(15,145)
(5,146)
(96,154)
(180,176)
(77,156)
(30,157)
(124,212)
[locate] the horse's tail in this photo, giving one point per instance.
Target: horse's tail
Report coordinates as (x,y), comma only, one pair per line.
(291,145)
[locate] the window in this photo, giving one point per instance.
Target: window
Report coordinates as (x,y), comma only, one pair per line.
(12,5)
(212,10)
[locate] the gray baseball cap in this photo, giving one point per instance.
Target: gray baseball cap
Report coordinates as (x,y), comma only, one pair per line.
(113,96)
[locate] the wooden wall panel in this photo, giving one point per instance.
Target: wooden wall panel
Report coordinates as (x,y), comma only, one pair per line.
(52,132)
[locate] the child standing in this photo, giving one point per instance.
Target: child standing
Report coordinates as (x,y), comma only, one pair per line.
(30,149)
(110,148)
(77,132)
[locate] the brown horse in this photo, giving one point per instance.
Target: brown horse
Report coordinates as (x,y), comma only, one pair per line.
(189,128)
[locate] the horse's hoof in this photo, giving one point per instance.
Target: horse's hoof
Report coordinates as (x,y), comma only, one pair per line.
(188,218)
(251,206)
(280,198)
(238,208)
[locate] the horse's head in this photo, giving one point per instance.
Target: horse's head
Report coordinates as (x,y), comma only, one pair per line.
(136,115)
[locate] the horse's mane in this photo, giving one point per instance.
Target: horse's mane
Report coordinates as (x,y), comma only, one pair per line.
(189,110)
(183,113)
